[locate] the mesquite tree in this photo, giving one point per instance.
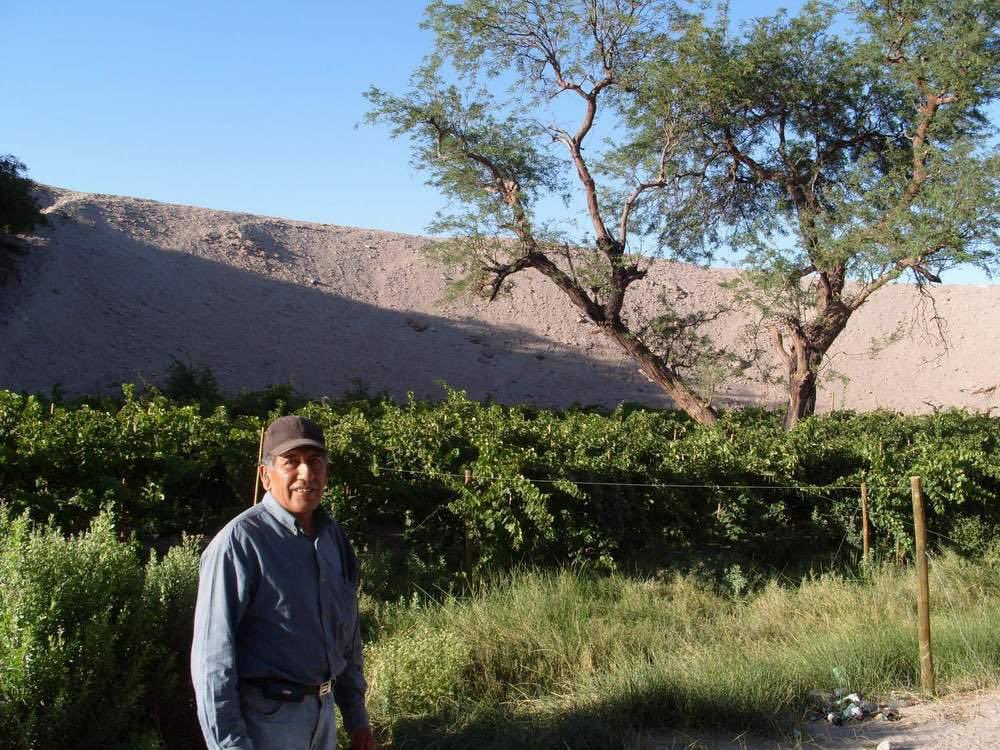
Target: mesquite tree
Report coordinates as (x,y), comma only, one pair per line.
(496,152)
(842,160)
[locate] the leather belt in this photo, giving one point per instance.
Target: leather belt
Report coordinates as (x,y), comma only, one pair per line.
(287,688)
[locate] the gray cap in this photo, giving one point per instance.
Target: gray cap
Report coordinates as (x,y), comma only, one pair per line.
(287,433)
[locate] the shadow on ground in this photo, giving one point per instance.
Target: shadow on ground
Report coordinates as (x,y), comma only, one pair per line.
(654,719)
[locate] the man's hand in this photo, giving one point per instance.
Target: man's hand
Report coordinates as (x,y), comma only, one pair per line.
(362,739)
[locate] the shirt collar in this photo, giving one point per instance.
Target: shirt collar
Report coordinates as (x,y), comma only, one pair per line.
(286,519)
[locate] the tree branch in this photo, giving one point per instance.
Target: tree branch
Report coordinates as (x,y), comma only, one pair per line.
(577,295)
(927,111)
(659,181)
(604,239)
(845,143)
(502,183)
(915,263)
(779,346)
(763,174)
(502,271)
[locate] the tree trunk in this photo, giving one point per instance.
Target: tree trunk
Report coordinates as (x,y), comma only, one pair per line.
(664,376)
(801,394)
(807,346)
(651,365)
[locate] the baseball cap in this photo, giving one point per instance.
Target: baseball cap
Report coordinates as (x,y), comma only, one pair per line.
(286,433)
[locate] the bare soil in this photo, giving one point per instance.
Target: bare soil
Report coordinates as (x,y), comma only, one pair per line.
(966,721)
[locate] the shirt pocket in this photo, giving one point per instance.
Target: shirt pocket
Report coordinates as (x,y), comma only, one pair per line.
(345,602)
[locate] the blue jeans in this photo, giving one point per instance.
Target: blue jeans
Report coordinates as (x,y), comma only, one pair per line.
(280,725)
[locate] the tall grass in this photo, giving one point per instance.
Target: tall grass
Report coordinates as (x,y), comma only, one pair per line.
(565,660)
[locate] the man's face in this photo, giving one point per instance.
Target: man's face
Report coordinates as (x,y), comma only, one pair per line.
(296,480)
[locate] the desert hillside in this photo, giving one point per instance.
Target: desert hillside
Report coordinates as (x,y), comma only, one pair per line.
(118,288)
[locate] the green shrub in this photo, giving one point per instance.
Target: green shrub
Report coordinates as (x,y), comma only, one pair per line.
(169,595)
(87,636)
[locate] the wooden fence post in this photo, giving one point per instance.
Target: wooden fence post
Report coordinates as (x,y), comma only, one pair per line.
(256,469)
(923,588)
(468,538)
(866,539)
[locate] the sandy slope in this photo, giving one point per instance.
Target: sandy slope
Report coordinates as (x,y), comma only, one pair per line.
(119,286)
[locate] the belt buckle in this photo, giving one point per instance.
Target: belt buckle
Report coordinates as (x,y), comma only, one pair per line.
(326,687)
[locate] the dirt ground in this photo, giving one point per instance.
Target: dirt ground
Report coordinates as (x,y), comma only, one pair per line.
(967,721)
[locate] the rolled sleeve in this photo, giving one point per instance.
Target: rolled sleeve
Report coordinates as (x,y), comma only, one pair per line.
(223,590)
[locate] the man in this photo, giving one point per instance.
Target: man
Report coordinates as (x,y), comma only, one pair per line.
(276,636)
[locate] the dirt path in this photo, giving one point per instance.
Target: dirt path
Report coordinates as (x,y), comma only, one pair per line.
(968,721)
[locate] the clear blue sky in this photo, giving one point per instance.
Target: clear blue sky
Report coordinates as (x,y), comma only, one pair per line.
(246,106)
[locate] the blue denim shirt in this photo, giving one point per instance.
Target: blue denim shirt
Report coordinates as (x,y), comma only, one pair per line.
(273,602)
